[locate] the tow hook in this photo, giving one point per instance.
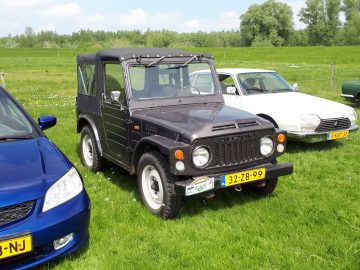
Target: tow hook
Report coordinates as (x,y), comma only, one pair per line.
(238,188)
(208,195)
(261,184)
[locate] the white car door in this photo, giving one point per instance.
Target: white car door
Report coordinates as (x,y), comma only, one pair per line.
(230,98)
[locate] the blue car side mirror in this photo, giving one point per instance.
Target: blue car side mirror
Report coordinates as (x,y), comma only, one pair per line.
(46,121)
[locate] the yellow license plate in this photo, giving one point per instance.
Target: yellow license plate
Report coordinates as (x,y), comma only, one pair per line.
(337,135)
(15,246)
(242,177)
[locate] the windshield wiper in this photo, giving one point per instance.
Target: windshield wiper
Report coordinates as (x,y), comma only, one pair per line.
(11,138)
(156,61)
(189,61)
(281,90)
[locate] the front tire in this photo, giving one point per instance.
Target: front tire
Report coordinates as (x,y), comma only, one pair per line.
(157,186)
(90,155)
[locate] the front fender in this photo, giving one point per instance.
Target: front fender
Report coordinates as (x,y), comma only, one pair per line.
(164,145)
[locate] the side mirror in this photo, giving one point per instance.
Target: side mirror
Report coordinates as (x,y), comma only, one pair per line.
(115,97)
(46,121)
(231,90)
(295,87)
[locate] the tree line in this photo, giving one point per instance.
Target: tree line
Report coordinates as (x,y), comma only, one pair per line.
(262,25)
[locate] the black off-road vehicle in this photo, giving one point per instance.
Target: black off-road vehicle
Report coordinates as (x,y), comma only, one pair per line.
(139,109)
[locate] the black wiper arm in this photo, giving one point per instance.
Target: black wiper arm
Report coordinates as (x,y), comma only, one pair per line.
(10,138)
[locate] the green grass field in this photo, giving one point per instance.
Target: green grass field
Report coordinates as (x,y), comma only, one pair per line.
(312,221)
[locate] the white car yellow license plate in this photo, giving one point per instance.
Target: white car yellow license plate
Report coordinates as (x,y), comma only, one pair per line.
(338,135)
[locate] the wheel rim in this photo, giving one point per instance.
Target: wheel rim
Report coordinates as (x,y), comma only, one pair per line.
(152,187)
(87,149)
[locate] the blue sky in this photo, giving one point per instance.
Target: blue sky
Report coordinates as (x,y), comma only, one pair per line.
(67,16)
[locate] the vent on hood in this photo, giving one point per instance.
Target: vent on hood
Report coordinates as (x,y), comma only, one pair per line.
(248,124)
(223,127)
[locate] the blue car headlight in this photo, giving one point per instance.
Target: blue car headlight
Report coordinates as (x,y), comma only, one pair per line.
(66,188)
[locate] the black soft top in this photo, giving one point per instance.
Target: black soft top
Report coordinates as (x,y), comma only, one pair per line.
(129,53)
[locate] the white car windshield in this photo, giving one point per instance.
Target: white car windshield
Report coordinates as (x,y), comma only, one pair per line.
(169,81)
(13,123)
(263,82)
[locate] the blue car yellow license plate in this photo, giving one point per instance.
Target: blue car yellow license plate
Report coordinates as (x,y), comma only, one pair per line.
(242,177)
(15,246)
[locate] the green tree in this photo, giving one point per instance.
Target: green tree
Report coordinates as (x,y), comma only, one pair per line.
(350,7)
(322,20)
(269,22)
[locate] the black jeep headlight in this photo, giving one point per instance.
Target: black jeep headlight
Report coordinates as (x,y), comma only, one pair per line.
(266,146)
(201,156)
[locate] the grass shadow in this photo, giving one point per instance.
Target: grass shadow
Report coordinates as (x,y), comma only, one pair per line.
(224,198)
(296,147)
(71,257)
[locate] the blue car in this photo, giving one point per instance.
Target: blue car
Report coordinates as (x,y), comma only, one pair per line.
(44,208)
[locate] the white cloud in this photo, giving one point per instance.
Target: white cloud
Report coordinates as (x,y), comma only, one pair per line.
(229,20)
(135,18)
(192,25)
(47,27)
(23,4)
(96,18)
(67,10)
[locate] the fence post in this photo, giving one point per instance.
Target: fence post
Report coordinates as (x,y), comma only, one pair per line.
(2,75)
(332,67)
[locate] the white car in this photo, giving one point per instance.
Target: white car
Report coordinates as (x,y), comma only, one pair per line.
(265,93)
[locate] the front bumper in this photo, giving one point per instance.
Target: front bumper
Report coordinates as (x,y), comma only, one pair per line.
(313,137)
(349,97)
(272,171)
(46,227)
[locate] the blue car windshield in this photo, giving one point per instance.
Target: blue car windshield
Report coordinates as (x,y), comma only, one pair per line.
(13,122)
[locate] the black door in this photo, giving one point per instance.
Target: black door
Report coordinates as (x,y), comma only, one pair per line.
(116,115)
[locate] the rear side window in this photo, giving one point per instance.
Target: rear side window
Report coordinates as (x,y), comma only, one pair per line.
(86,79)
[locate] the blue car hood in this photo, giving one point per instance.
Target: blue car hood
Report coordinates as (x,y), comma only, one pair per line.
(28,168)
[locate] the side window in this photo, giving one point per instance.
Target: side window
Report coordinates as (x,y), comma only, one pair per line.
(114,81)
(226,81)
(204,84)
(86,79)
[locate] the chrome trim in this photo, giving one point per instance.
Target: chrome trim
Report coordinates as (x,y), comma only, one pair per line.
(347,96)
(313,137)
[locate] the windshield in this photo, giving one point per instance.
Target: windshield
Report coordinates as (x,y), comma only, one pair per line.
(13,123)
(263,82)
(170,80)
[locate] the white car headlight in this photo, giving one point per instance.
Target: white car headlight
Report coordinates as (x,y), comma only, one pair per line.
(352,116)
(309,122)
(201,156)
(266,146)
(66,188)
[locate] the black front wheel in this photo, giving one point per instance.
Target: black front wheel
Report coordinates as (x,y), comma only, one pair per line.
(157,186)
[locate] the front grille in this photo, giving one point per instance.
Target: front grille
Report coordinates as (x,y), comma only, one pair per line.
(231,150)
(16,212)
(333,124)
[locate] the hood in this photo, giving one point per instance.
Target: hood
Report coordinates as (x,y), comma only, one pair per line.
(198,121)
(28,168)
(294,103)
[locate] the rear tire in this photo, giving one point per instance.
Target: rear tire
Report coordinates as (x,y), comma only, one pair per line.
(90,154)
(157,186)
